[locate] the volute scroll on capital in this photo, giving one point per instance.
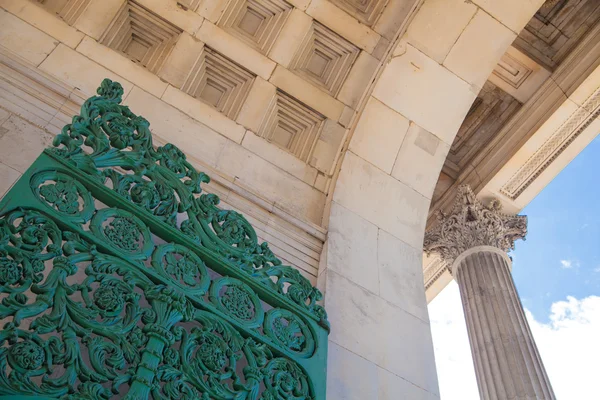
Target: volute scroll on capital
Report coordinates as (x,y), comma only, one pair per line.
(471,224)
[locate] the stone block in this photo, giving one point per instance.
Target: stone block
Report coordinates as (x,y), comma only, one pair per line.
(25,40)
(97,16)
(350,377)
(425,92)
(307,93)
(513,13)
(401,275)
(382,200)
(204,113)
(70,66)
(358,79)
(8,177)
(327,147)
(280,158)
(346,117)
(181,60)
(44,21)
(272,183)
(212,9)
(256,105)
(187,20)
(479,48)
(290,38)
(379,134)
(394,16)
(437,26)
(236,50)
(392,387)
(380,332)
(21,143)
(343,24)
(587,88)
(173,126)
(123,66)
(352,248)
(420,160)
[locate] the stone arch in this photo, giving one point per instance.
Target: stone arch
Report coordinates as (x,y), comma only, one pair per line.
(371,269)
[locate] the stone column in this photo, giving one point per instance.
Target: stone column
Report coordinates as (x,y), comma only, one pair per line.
(474,239)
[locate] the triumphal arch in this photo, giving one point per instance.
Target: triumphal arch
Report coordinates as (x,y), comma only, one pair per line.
(256,199)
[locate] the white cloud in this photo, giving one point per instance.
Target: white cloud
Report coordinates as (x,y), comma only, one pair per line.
(566,264)
(567,345)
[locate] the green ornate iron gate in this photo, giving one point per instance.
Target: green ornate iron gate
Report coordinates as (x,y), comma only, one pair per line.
(119,279)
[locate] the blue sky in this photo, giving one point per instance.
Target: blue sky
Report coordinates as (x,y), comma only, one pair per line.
(557,273)
(561,256)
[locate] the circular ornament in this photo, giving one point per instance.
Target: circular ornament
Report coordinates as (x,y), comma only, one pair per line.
(63,194)
(123,231)
(236,299)
(289,331)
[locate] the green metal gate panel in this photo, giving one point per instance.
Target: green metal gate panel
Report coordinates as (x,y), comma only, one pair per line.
(121,279)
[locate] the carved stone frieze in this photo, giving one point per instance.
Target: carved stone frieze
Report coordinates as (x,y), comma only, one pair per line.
(471,224)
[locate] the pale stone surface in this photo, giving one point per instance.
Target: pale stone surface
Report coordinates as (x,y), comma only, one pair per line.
(21,143)
(327,147)
(256,105)
(352,248)
(382,200)
(44,21)
(235,49)
(187,20)
(96,17)
(123,66)
(352,378)
(437,26)
(425,92)
(513,13)
(391,386)
(204,113)
(181,60)
(343,24)
(346,117)
(479,48)
(280,158)
(586,90)
(307,93)
(272,183)
(380,50)
(380,332)
(289,39)
(358,79)
(81,72)
(394,16)
(537,74)
(420,160)
(8,175)
(175,127)
(379,134)
(25,40)
(212,9)
(401,275)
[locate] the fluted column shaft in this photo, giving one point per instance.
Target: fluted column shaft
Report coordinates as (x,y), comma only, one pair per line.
(507,361)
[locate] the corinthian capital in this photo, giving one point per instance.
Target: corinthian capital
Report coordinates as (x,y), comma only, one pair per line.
(471,224)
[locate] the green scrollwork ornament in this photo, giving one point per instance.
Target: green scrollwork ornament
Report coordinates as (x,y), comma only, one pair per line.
(121,279)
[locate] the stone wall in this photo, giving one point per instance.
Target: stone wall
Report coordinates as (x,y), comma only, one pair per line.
(327,126)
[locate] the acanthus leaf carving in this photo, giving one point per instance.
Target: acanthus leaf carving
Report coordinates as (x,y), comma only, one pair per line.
(471,224)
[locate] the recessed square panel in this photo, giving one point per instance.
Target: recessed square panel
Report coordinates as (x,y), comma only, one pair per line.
(141,35)
(68,10)
(324,58)
(292,125)
(256,22)
(366,11)
(251,21)
(219,82)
